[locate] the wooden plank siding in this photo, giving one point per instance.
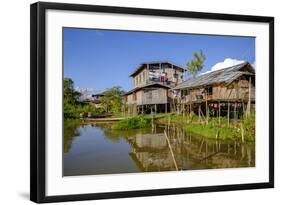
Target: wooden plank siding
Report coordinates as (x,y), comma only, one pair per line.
(148,96)
(238,90)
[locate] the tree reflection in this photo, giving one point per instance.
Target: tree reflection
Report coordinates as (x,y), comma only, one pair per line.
(70,133)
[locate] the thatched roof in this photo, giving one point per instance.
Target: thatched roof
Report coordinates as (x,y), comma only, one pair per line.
(154,85)
(226,75)
(143,66)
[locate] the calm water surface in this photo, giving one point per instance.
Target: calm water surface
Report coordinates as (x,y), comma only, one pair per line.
(96,149)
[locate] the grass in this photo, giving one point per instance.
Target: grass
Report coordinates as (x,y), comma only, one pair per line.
(215,128)
(132,123)
(213,132)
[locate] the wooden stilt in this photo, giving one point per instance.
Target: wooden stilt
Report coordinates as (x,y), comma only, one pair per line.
(219,113)
(172,153)
(249,98)
(199,112)
(235,111)
(242,133)
(228,113)
(207,108)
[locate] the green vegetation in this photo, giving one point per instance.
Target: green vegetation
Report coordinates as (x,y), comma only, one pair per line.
(132,123)
(112,100)
(249,126)
(70,132)
(71,106)
(210,131)
(216,128)
(196,64)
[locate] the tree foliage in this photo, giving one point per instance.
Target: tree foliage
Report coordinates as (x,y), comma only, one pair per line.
(112,99)
(71,106)
(70,95)
(196,64)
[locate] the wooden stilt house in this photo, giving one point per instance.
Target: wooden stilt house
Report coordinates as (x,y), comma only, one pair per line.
(152,82)
(229,91)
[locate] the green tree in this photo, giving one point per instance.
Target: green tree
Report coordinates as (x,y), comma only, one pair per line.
(70,98)
(70,95)
(112,99)
(196,64)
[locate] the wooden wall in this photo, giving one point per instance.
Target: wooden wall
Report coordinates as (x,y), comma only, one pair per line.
(142,78)
(236,90)
(148,96)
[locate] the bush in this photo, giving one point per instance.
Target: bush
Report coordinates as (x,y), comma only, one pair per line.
(132,123)
(73,111)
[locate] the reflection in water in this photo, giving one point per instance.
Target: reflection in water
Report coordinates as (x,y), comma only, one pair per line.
(101,150)
(70,132)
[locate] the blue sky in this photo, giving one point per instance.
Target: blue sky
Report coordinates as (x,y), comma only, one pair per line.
(101,59)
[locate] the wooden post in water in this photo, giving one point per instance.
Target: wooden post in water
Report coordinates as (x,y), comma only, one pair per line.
(207,108)
(199,112)
(228,113)
(242,133)
(235,111)
(217,134)
(172,153)
(249,98)
(219,113)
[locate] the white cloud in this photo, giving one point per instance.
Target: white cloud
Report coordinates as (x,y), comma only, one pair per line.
(228,62)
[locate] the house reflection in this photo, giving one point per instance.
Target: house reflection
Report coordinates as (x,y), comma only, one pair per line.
(152,153)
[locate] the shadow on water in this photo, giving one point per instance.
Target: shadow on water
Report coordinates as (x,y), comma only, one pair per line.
(98,149)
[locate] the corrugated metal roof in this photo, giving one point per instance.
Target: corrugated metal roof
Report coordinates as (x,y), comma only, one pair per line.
(226,75)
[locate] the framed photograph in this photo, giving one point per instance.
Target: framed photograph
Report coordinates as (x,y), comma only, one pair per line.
(129,102)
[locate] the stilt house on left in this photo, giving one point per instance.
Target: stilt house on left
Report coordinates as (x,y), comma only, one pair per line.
(152,87)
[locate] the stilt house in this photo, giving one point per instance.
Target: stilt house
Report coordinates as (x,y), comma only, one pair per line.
(152,82)
(226,91)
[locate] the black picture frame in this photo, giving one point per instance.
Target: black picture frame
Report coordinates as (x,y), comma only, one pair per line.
(38,103)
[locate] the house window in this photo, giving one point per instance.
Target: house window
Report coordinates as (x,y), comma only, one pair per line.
(134,96)
(209,90)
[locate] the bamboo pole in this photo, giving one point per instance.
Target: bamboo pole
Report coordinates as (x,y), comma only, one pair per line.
(217,134)
(199,112)
(228,113)
(242,133)
(207,108)
(219,113)
(235,111)
(172,153)
(249,97)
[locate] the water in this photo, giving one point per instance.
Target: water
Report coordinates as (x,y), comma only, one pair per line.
(96,149)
